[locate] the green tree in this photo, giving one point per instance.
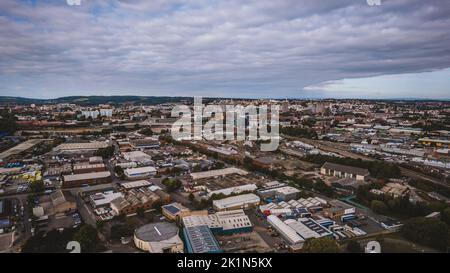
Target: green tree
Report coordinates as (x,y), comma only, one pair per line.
(88,238)
(171,184)
(427,231)
(321,245)
(354,247)
(299,131)
(378,206)
(191,197)
(445,216)
(323,188)
(140,212)
(119,171)
(37,186)
(105,152)
(100,225)
(197,168)
(146,131)
(218,165)
(53,241)
(122,230)
(8,124)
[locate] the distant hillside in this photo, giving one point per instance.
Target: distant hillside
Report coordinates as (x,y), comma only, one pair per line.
(152,100)
(94,100)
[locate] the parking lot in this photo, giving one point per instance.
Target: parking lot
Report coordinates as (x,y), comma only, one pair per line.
(243,242)
(271,238)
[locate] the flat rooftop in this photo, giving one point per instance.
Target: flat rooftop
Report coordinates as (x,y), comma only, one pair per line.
(201,240)
(86,176)
(236,200)
(81,146)
(20,148)
(345,168)
(156,232)
(84,166)
(214,173)
(136,184)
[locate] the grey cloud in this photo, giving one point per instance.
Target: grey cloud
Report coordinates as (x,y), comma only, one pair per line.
(231,48)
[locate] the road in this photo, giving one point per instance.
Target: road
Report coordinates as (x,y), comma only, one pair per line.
(260,226)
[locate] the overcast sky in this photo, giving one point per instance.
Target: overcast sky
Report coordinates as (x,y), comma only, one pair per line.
(232,48)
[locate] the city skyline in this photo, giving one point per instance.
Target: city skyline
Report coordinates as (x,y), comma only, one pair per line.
(251,49)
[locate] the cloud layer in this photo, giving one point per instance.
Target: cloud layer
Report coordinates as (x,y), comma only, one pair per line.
(231,48)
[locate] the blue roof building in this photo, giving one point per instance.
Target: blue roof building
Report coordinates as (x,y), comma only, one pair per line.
(200,239)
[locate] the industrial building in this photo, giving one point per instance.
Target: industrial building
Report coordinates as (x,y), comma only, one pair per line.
(133,200)
(200,239)
(145,143)
(176,211)
(434,142)
(285,193)
(139,173)
(223,222)
(139,157)
(394,190)
(135,184)
(343,171)
(234,190)
(337,209)
(243,201)
(217,173)
(19,149)
(233,221)
(158,238)
(288,233)
(88,168)
(80,148)
(101,199)
(78,180)
(307,228)
(348,183)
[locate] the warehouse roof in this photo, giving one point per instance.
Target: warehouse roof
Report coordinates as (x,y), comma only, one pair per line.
(136,184)
(345,168)
(200,240)
(20,148)
(284,229)
(135,171)
(220,172)
(84,166)
(86,176)
(81,146)
(174,208)
(236,200)
(156,232)
(443,141)
(236,189)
